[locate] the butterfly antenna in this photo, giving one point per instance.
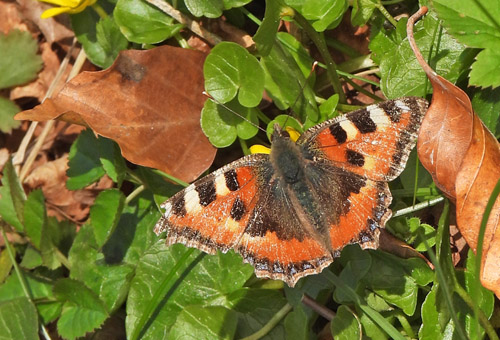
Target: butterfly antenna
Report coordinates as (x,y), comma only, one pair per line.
(302,87)
(232,111)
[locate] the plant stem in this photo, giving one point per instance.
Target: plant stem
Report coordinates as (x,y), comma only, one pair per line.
(100,11)
(386,14)
(271,324)
(319,41)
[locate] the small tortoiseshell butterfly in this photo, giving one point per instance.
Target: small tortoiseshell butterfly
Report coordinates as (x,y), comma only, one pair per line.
(291,212)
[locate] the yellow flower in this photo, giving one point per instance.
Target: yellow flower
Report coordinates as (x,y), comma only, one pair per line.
(257,148)
(66,6)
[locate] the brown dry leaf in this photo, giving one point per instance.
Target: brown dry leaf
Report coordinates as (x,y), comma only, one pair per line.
(463,158)
(149,102)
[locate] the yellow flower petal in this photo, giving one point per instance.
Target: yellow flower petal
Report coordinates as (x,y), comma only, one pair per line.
(294,134)
(257,148)
(63,3)
(54,11)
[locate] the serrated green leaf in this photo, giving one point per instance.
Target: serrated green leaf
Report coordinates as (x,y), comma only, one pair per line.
(200,280)
(266,34)
(110,282)
(222,126)
(486,69)
(473,22)
(487,106)
(198,322)
(21,64)
(82,310)
(345,325)
(7,111)
(84,164)
(286,84)
(19,319)
(144,23)
(35,217)
(230,69)
(101,38)
(12,197)
(401,73)
(105,214)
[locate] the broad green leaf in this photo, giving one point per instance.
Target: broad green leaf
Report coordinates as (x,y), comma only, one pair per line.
(200,280)
(112,160)
(362,10)
(371,330)
(21,64)
(31,258)
(430,328)
(255,307)
(82,310)
(486,69)
(297,324)
(345,325)
(84,164)
(100,38)
(230,69)
(301,56)
(105,214)
(286,84)
(40,288)
(327,108)
(110,282)
(266,34)
(12,198)
(18,319)
(7,111)
(208,8)
(473,22)
(144,23)
(401,73)
(323,14)
(199,322)
(487,106)
(222,126)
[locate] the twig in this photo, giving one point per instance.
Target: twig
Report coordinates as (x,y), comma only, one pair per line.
(193,26)
(318,308)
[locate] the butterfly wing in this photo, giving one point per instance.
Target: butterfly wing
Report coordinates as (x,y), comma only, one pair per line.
(355,155)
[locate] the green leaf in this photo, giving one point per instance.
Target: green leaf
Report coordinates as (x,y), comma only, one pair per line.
(286,84)
(283,121)
(401,73)
(105,214)
(230,69)
(327,108)
(430,328)
(222,126)
(200,280)
(12,198)
(31,258)
(82,310)
(144,23)
(297,324)
(487,106)
(19,319)
(473,22)
(5,265)
(486,69)
(362,11)
(35,217)
(345,325)
(112,161)
(84,163)
(110,282)
(7,111)
(266,34)
(323,13)
(101,38)
(21,64)
(198,322)
(208,8)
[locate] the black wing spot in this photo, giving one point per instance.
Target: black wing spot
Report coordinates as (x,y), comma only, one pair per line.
(338,133)
(392,110)
(231,180)
(361,119)
(238,209)
(179,206)
(355,158)
(206,192)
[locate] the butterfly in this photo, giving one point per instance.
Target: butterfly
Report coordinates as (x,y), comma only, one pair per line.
(289,213)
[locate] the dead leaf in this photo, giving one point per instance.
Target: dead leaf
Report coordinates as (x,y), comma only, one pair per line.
(463,158)
(149,102)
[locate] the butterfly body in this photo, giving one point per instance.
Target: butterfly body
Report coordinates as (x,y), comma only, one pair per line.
(291,212)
